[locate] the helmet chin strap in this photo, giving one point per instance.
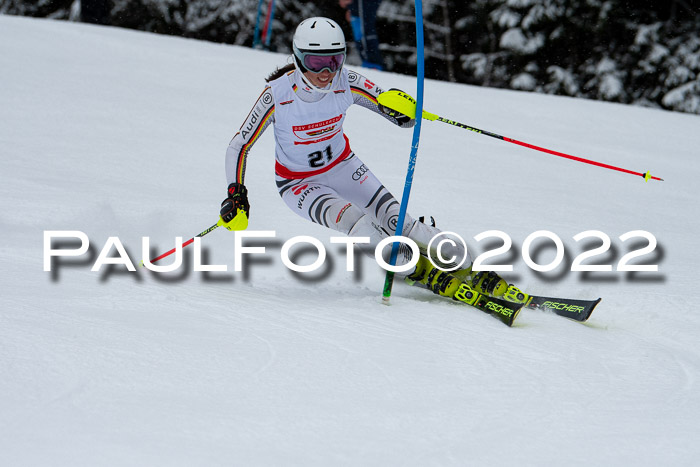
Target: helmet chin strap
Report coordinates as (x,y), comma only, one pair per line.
(327,89)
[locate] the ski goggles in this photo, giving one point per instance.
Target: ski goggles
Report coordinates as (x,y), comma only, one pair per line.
(317,62)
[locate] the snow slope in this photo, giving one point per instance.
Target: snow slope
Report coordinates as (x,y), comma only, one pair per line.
(120,133)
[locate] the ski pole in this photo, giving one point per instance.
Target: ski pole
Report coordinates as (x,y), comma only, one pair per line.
(239,222)
(188,242)
(420,73)
(405,104)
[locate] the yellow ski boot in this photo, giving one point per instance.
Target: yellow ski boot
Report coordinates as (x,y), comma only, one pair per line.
(441,283)
(445,284)
(491,284)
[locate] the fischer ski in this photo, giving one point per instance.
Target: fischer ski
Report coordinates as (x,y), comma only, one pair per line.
(507,311)
(578,310)
(508,307)
(502,309)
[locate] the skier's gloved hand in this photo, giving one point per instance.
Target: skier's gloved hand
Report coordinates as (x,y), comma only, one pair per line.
(401,119)
(235,208)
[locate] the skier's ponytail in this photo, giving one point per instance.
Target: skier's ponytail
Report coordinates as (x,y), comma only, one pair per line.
(280,72)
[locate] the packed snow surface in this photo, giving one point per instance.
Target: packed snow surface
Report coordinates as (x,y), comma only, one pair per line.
(117,133)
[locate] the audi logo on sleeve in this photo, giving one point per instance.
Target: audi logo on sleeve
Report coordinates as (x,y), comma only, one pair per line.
(360,173)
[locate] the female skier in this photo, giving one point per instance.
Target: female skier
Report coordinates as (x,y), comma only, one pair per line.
(318,176)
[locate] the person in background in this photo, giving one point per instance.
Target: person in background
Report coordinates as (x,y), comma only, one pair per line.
(338,11)
(364,26)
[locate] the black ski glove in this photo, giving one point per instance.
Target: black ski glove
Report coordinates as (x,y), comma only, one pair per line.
(237,199)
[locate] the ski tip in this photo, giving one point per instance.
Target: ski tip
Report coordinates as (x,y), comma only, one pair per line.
(593,306)
(515,316)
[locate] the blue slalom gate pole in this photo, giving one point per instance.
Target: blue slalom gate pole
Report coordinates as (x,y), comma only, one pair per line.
(256,34)
(420,73)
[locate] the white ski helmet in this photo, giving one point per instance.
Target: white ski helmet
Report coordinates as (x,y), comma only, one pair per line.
(319,43)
